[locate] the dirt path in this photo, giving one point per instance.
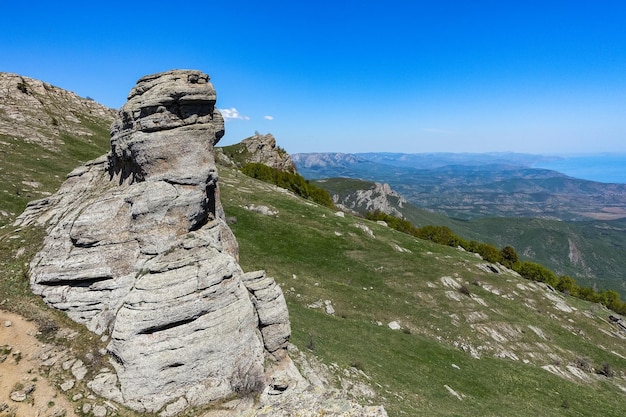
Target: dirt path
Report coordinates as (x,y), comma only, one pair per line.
(24,391)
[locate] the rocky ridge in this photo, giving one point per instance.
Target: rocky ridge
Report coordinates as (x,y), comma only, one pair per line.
(378,197)
(38,112)
(139,252)
(260,149)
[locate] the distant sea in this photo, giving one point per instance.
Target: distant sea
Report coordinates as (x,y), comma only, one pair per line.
(608,168)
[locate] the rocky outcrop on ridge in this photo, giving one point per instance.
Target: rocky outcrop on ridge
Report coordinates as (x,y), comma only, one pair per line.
(138,249)
(260,149)
(38,112)
(378,197)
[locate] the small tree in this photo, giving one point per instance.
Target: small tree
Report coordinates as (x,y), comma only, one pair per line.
(508,256)
(567,285)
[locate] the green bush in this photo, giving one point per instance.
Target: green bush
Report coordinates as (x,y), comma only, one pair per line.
(567,285)
(438,234)
(508,257)
(536,272)
(289,181)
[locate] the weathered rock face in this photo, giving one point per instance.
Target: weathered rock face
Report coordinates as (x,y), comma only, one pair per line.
(379,197)
(138,249)
(262,149)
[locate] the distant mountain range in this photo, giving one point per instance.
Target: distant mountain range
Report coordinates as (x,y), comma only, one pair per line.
(470,186)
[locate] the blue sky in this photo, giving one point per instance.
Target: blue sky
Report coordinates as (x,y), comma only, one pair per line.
(354,76)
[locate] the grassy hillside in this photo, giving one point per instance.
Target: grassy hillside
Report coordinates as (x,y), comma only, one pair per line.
(45,132)
(590,251)
(503,345)
(30,171)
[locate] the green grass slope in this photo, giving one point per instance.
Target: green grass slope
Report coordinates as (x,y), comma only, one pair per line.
(592,252)
(472,342)
(31,171)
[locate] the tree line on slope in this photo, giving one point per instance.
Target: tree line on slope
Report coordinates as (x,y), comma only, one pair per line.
(506,256)
(293,182)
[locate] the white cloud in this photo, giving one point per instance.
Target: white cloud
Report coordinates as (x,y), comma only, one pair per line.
(232,114)
(268,117)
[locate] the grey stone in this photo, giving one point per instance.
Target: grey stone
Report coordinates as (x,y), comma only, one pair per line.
(68,364)
(79,370)
(99,411)
(67,385)
(394,325)
(18,396)
(329,307)
(174,408)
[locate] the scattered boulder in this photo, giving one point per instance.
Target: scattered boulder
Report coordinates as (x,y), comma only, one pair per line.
(18,396)
(264,210)
(394,325)
(365,229)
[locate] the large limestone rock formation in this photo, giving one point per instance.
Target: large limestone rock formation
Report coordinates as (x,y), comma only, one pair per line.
(138,249)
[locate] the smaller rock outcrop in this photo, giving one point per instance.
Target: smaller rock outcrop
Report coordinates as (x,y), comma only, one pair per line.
(261,149)
(377,197)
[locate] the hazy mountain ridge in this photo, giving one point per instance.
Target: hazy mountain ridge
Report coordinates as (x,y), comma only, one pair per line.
(440,159)
(475,190)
